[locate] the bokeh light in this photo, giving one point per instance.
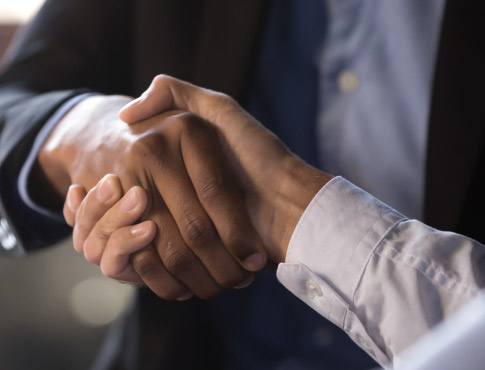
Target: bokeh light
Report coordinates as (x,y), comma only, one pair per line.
(18,11)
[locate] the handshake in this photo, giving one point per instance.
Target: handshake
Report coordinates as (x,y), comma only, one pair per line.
(198,196)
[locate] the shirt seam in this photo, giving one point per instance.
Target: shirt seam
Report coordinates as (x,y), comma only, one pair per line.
(372,252)
(432,271)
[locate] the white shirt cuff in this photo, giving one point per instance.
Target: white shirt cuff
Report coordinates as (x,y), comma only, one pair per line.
(330,248)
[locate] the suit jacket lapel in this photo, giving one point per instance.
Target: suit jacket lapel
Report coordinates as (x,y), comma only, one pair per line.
(457,122)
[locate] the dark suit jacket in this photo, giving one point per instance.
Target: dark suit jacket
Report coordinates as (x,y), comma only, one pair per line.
(118,46)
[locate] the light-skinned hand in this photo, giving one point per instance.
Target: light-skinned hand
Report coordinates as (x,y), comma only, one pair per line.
(204,239)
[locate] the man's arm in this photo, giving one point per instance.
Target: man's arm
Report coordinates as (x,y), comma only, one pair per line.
(192,197)
(384,279)
(70,47)
(58,53)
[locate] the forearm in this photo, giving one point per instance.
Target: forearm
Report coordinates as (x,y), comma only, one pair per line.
(31,193)
(54,58)
(22,115)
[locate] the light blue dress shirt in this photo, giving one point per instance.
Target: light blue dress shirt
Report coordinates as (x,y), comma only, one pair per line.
(376,72)
(354,103)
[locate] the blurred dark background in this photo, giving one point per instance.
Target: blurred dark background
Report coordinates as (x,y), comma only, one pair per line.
(54,306)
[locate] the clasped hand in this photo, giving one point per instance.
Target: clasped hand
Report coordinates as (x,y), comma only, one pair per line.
(197,231)
(215,196)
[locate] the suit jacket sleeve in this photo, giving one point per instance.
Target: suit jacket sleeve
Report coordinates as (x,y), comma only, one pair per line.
(70,47)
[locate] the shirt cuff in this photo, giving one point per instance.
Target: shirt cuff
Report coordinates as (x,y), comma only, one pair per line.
(331,246)
(25,172)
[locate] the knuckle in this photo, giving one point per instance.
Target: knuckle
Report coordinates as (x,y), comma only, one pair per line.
(101,235)
(222,99)
(115,242)
(144,265)
(176,261)
(197,232)
(161,79)
(210,190)
(194,129)
(188,123)
(151,144)
(116,238)
(225,104)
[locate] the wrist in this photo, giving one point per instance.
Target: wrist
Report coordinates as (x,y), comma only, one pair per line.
(299,184)
(77,134)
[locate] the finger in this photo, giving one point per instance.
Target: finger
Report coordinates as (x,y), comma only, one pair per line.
(74,197)
(219,195)
(125,212)
(98,200)
(115,261)
(167,93)
(194,224)
(148,266)
(179,260)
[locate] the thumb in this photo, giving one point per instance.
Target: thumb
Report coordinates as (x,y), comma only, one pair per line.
(155,100)
(168,93)
(243,132)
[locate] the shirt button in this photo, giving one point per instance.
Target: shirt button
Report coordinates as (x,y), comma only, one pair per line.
(313,289)
(7,239)
(348,81)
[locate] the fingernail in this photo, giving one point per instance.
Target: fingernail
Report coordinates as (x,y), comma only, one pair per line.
(140,229)
(186,296)
(129,201)
(73,202)
(245,284)
(105,190)
(254,262)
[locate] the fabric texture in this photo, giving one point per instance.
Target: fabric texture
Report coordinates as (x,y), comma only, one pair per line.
(368,269)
